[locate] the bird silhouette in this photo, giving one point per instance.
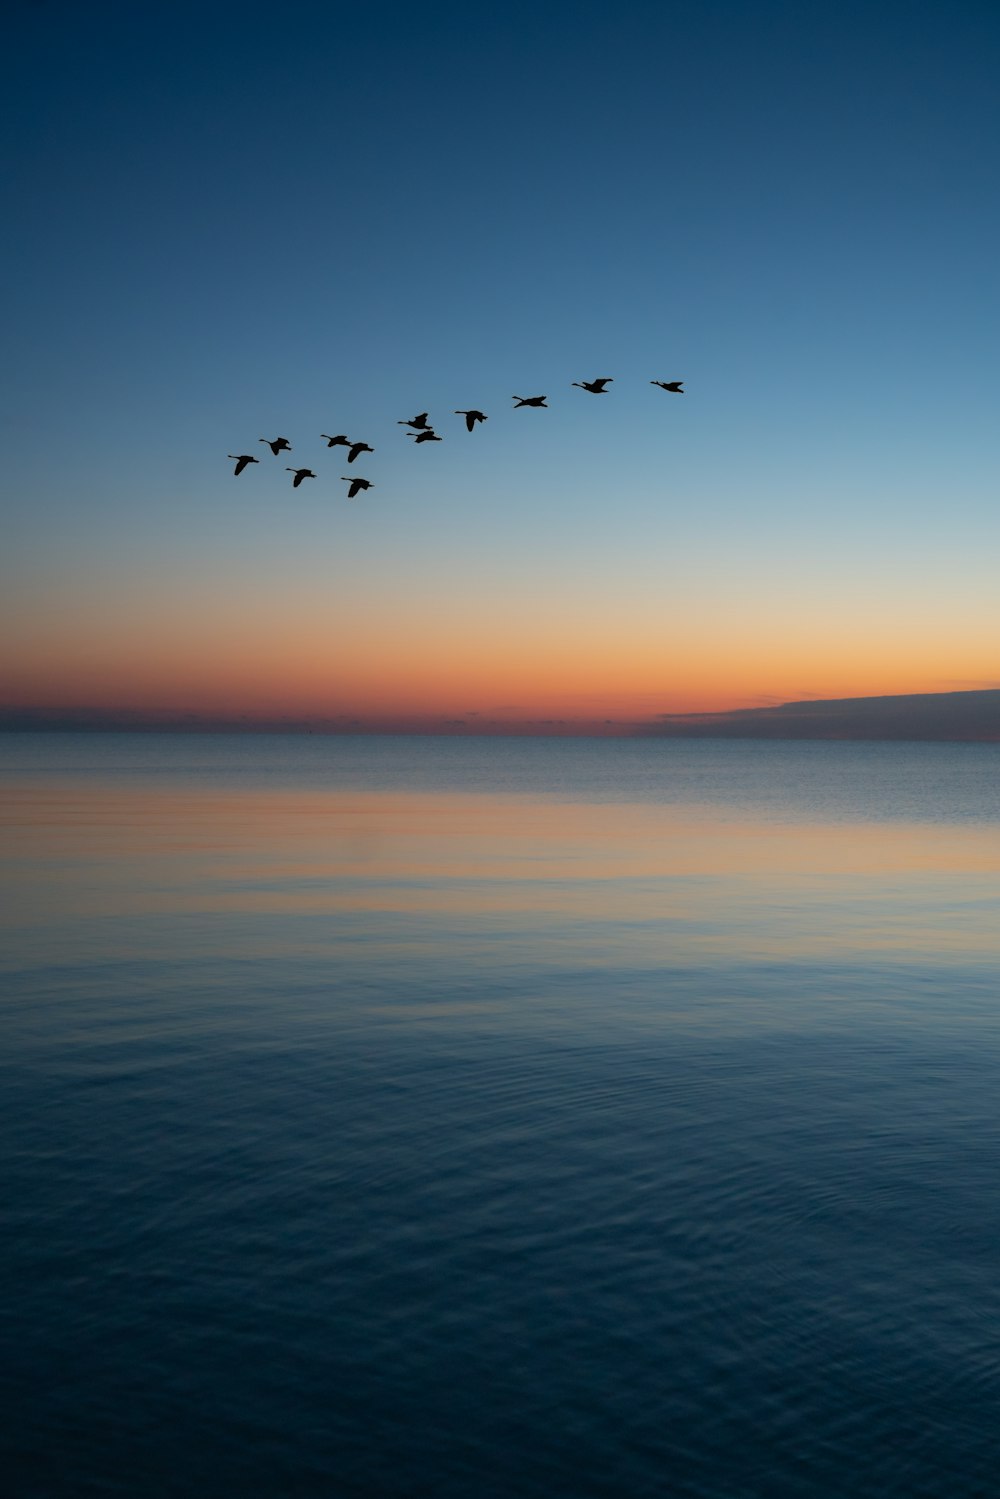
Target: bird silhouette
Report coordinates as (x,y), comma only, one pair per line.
(672,385)
(429,436)
(471,418)
(417,421)
(529,401)
(242,459)
(356,482)
(356,448)
(336,442)
(300,474)
(596,387)
(278,445)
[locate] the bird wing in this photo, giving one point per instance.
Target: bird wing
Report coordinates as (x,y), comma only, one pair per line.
(355,486)
(296,481)
(241,465)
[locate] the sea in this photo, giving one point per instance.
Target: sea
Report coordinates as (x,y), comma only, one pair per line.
(515,1118)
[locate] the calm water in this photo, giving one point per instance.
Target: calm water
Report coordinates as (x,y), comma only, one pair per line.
(504,1118)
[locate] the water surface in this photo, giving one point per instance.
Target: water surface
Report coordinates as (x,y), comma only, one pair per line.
(526,1118)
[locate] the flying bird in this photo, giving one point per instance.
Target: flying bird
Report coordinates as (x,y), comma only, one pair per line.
(242,459)
(300,474)
(278,445)
(672,385)
(471,418)
(356,448)
(596,387)
(429,436)
(417,421)
(336,442)
(356,482)
(529,401)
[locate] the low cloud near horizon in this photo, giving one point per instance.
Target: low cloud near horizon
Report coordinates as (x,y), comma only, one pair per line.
(969,716)
(944,716)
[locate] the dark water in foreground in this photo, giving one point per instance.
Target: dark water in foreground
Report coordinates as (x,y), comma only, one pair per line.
(504,1118)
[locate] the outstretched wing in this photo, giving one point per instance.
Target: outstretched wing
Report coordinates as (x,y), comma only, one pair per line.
(241,465)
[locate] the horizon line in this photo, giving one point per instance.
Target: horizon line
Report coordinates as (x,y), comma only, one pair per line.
(967,715)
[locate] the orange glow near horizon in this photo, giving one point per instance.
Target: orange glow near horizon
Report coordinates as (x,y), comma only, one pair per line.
(342,653)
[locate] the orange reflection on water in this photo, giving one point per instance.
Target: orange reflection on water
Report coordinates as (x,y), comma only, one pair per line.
(170,874)
(103,849)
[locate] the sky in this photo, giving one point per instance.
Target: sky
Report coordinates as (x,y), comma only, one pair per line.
(236,221)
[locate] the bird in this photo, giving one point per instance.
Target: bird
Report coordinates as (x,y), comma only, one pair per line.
(279,444)
(429,436)
(472,417)
(417,421)
(356,448)
(242,459)
(596,387)
(672,385)
(356,482)
(336,442)
(300,474)
(529,401)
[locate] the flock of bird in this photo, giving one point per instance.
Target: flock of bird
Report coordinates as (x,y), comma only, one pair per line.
(420,430)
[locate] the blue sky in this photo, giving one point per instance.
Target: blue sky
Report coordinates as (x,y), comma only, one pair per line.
(232,221)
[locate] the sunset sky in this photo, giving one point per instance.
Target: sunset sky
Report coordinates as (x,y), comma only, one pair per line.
(235,221)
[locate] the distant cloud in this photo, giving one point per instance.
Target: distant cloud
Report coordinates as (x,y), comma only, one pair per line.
(969,716)
(972,717)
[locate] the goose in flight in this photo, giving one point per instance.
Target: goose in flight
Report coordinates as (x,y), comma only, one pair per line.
(278,445)
(419,421)
(336,442)
(672,385)
(529,401)
(429,436)
(300,474)
(472,417)
(356,482)
(596,387)
(356,448)
(242,459)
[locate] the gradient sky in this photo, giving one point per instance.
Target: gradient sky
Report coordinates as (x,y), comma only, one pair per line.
(241,220)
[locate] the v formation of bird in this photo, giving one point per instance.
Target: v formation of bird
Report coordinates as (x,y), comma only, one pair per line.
(420,430)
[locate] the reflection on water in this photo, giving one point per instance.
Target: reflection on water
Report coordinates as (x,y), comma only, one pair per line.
(518,1117)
